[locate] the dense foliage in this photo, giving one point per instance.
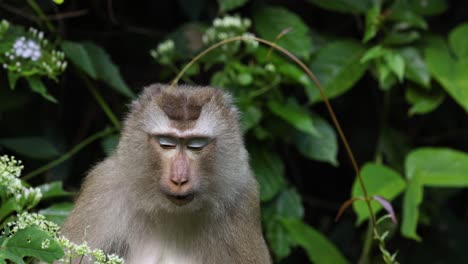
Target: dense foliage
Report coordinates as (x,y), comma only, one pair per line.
(395,71)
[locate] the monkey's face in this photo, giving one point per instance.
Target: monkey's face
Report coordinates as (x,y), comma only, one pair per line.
(182,174)
(196,155)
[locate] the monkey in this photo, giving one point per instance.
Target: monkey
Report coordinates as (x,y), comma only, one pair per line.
(178,188)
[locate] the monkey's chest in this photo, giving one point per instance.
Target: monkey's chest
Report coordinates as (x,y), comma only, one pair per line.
(151,251)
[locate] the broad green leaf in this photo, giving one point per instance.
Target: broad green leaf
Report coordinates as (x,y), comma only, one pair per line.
(7,207)
(318,248)
(372,22)
(416,69)
(373,53)
(269,169)
(276,235)
(109,143)
(411,201)
(286,204)
(250,117)
(397,37)
(396,63)
(53,190)
(82,59)
(450,73)
(32,147)
(338,67)
(379,180)
(438,167)
(428,7)
(458,39)
(6,255)
(94,60)
(323,147)
(38,86)
(57,213)
(28,243)
(422,102)
(296,115)
(271,21)
(344,6)
(227,5)
(401,11)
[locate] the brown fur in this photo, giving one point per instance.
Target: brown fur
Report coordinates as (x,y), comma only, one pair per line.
(122,209)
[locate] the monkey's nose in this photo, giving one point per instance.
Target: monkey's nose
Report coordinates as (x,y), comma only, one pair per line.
(179,181)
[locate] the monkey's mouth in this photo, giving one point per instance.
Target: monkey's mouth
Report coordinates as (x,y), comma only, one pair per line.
(180,200)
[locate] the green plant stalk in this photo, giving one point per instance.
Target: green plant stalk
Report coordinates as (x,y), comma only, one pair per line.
(42,16)
(102,103)
(365,254)
(70,153)
(317,84)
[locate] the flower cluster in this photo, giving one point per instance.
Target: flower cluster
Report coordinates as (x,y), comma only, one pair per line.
(73,250)
(227,27)
(25,220)
(10,170)
(164,52)
(30,53)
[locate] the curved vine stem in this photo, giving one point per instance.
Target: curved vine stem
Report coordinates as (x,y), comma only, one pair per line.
(317,84)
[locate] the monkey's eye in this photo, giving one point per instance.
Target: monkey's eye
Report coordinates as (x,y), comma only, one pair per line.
(197,143)
(167,142)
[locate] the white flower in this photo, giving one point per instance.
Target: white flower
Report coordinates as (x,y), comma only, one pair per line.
(45,244)
(27,49)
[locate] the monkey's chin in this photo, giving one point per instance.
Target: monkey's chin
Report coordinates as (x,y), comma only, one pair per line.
(180,200)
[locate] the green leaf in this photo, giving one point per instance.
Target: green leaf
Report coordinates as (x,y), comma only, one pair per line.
(411,201)
(28,243)
(323,147)
(109,143)
(416,69)
(422,101)
(450,73)
(338,67)
(12,79)
(401,11)
(32,147)
(227,5)
(250,117)
(8,207)
(286,204)
(94,61)
(396,63)
(344,6)
(278,238)
(396,37)
(57,213)
(78,54)
(372,22)
(6,255)
(318,248)
(271,21)
(458,39)
(428,7)
(269,169)
(53,190)
(296,115)
(373,53)
(379,180)
(438,167)
(38,86)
